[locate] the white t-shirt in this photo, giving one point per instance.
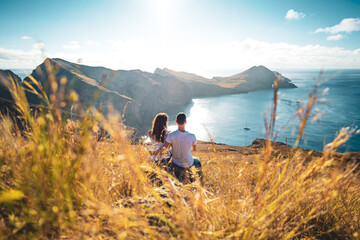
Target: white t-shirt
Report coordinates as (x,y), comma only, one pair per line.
(181,143)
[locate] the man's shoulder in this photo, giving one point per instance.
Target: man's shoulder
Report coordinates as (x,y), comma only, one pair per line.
(177,132)
(173,133)
(191,134)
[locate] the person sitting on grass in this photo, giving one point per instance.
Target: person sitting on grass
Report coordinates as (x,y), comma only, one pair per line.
(182,142)
(157,135)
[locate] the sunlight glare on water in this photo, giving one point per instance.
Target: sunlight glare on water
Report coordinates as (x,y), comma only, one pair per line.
(197,120)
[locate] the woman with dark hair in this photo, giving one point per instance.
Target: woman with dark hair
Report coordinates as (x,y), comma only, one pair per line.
(157,135)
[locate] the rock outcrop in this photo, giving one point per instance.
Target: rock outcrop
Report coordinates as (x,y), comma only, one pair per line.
(5,79)
(7,106)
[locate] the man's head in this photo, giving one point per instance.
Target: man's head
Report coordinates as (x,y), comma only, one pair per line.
(181,118)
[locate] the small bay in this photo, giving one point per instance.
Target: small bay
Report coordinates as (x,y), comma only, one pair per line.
(225,117)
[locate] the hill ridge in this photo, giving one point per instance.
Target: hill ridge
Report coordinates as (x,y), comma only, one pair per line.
(165,90)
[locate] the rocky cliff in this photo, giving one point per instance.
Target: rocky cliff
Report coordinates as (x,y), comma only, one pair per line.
(6,100)
(144,94)
(5,79)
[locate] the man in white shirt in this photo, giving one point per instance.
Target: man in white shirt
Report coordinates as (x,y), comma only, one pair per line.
(182,142)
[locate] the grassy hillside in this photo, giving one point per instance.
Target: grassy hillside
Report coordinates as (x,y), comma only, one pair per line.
(64,179)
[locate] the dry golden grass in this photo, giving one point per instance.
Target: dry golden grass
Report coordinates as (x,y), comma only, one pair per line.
(58,181)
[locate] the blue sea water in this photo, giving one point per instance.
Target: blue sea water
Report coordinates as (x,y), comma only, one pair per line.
(225,117)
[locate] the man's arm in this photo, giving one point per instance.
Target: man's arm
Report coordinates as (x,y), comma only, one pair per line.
(193,148)
(194,143)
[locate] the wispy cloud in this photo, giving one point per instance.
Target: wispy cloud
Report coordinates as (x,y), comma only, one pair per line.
(293,15)
(335,37)
(72,45)
(347,25)
(39,46)
(225,58)
(25,37)
(16,58)
(203,59)
(90,42)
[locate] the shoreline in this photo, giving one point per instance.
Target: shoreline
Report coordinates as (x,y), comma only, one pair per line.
(258,145)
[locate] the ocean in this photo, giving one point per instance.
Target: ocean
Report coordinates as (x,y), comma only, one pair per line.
(225,117)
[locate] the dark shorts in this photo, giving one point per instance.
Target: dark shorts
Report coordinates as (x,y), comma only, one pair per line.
(184,175)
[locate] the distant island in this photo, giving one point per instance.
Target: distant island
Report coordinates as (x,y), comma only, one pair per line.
(144,94)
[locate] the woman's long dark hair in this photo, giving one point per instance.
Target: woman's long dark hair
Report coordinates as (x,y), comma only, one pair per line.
(159,127)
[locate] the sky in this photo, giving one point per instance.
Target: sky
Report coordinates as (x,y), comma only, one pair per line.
(206,37)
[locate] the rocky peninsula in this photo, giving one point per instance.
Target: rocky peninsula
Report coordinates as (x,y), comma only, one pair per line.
(141,93)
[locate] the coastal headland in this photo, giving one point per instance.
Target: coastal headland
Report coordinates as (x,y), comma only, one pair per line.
(139,95)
